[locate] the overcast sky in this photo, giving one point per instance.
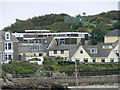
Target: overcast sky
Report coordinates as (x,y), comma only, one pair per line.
(22,9)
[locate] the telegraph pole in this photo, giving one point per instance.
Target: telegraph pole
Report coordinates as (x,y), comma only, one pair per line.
(76,73)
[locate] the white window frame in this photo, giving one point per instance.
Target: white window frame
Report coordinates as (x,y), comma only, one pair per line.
(7,46)
(85,59)
(7,36)
(95,50)
(7,56)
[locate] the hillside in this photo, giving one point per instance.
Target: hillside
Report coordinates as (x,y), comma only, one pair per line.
(56,22)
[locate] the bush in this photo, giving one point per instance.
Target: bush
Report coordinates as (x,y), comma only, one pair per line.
(63,62)
(47,62)
(35,59)
(19,68)
(50,68)
(58,58)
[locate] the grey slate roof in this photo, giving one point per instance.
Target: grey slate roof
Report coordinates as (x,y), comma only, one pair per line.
(63,47)
(72,48)
(100,52)
(2,37)
(27,48)
(114,44)
(113,33)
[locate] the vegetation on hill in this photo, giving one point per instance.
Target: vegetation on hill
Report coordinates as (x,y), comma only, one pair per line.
(69,67)
(98,25)
(19,68)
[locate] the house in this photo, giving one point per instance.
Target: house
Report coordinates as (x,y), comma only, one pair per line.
(35,43)
(112,36)
(60,37)
(94,54)
(8,47)
(64,51)
(112,41)
(84,53)
(34,50)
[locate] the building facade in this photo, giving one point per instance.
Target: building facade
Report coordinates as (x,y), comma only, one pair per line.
(8,47)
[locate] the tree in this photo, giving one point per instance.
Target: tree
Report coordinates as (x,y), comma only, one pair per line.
(98,34)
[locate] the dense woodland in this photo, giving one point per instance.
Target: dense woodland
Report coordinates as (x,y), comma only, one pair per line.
(97,26)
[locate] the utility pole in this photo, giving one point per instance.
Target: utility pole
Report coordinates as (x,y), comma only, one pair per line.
(76,73)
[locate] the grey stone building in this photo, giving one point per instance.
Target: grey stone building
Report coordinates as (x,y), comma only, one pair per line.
(8,47)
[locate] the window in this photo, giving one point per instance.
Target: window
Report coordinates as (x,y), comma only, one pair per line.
(8,46)
(62,51)
(106,46)
(81,52)
(40,54)
(94,59)
(66,58)
(6,57)
(55,51)
(111,59)
(85,59)
(77,59)
(103,60)
(35,55)
(7,36)
(9,57)
(93,50)
(62,42)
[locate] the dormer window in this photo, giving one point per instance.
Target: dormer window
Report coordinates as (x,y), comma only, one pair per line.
(7,36)
(93,50)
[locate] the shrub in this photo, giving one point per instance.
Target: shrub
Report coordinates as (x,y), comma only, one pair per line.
(47,62)
(35,59)
(58,58)
(19,68)
(63,62)
(50,68)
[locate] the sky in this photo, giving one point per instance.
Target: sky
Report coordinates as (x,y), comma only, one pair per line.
(10,10)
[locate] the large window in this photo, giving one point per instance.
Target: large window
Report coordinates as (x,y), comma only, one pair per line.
(8,46)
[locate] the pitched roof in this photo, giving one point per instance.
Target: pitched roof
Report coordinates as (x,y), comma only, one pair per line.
(2,37)
(27,48)
(72,48)
(114,44)
(113,33)
(62,47)
(100,52)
